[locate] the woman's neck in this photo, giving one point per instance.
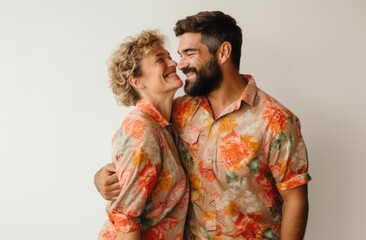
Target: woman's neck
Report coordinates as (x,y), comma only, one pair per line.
(163,103)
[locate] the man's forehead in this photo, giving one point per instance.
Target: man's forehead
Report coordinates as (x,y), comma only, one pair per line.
(189,40)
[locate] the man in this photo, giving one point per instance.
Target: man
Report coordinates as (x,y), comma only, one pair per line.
(242,150)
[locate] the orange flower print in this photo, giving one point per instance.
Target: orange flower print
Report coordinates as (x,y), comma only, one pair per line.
(274,116)
(157,210)
(108,232)
(122,222)
(219,232)
(194,147)
(124,176)
(269,193)
(196,185)
(172,222)
(232,209)
(165,182)
(159,231)
(267,187)
(248,227)
(218,238)
(156,232)
(183,111)
(107,235)
(278,169)
(232,150)
(208,216)
(205,105)
(196,195)
(196,182)
(179,236)
(290,174)
(252,144)
(293,180)
(178,192)
(147,180)
(228,123)
(151,110)
(206,172)
(207,123)
(139,156)
(136,128)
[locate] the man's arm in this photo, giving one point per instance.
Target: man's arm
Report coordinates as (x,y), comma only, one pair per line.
(106,182)
(294,213)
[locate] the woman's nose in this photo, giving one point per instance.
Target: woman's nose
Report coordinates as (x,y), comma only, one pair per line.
(171,62)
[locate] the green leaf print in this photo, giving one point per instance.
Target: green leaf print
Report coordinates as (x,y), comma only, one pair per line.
(233,181)
(253,165)
(148,206)
(146,223)
(230,176)
(269,234)
(276,144)
(205,232)
(291,138)
(275,215)
(127,142)
(186,158)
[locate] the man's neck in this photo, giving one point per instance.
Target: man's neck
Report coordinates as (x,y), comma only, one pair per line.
(230,91)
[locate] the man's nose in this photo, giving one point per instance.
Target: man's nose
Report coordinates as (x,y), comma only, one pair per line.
(183,63)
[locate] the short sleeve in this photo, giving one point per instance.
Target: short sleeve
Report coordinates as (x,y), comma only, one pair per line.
(288,158)
(136,154)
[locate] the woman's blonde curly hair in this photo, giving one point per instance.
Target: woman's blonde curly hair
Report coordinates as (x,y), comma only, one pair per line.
(125,63)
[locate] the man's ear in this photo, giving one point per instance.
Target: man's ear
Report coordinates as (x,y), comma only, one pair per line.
(224,52)
(136,82)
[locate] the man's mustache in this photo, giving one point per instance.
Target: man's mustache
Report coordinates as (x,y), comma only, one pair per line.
(190,69)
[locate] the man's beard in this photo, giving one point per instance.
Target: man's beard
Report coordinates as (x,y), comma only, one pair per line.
(209,78)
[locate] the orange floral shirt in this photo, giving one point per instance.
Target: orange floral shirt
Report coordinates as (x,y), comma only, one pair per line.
(154,195)
(237,162)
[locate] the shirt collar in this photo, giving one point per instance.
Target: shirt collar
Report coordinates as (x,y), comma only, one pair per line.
(150,109)
(250,91)
(248,96)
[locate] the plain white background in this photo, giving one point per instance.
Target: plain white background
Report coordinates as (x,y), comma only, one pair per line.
(58,115)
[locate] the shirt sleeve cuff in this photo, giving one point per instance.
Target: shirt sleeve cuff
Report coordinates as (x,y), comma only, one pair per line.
(296,181)
(123,223)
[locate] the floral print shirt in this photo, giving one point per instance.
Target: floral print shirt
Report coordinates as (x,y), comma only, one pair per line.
(155,189)
(237,162)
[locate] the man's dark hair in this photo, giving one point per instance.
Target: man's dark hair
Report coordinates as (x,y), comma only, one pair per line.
(215,28)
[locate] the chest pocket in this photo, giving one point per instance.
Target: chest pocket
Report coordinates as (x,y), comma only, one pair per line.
(190,134)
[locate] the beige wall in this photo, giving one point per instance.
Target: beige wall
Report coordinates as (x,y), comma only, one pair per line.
(57,114)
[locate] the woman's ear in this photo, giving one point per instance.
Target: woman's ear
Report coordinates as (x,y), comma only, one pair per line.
(136,82)
(224,52)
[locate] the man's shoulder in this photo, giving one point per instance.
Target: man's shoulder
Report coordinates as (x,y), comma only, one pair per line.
(272,106)
(182,100)
(184,103)
(183,108)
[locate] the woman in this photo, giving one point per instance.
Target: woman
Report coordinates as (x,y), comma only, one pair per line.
(154,197)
